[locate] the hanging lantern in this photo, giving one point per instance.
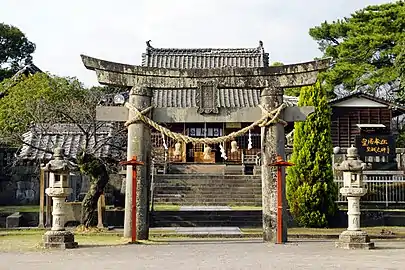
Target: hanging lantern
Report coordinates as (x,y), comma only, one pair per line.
(234,146)
(250,144)
(177,149)
(207,152)
(223,154)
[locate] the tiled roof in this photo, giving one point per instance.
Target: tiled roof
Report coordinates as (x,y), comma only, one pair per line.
(27,69)
(186,98)
(67,136)
(205,57)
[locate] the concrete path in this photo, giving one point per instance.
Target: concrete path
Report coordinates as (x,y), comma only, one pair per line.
(212,255)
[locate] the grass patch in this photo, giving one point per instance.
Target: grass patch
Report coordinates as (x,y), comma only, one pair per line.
(166,207)
(33,241)
(19,208)
(245,208)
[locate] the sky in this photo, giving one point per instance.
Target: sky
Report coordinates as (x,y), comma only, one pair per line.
(116,30)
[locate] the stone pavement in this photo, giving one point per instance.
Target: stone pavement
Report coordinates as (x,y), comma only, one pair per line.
(202,230)
(206,254)
(205,208)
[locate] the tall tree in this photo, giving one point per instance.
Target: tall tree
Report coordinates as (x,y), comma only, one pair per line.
(311,192)
(364,48)
(45,100)
(15,50)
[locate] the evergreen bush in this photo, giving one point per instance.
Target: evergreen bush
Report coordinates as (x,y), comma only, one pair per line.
(311,191)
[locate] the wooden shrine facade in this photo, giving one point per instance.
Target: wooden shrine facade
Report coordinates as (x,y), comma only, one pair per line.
(193,153)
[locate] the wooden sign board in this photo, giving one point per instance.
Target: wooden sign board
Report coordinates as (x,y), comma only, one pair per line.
(233,125)
(375,145)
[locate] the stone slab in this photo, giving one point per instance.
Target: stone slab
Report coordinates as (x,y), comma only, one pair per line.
(209,230)
(205,208)
(13,220)
(354,245)
(201,230)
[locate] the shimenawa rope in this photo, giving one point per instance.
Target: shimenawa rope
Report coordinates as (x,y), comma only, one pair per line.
(268,118)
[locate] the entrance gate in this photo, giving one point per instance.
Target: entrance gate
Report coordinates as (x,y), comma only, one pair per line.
(204,87)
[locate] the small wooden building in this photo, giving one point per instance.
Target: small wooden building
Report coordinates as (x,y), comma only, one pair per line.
(358,110)
(366,121)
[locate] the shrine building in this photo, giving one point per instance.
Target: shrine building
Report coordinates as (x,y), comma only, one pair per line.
(242,100)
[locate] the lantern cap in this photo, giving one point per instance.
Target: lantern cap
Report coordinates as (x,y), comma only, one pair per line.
(58,164)
(352,162)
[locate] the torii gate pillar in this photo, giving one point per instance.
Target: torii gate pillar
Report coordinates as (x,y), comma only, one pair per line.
(139,145)
(272,143)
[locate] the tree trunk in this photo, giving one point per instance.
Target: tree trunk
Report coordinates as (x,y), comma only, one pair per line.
(97,171)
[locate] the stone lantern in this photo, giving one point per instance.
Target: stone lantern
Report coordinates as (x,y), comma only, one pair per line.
(58,190)
(353,188)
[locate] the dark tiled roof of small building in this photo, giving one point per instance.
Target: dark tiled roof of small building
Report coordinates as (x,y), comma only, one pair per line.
(26,70)
(397,108)
(40,141)
(205,57)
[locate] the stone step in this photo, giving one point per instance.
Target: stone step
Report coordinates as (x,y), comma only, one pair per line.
(207,218)
(191,189)
(199,177)
(209,202)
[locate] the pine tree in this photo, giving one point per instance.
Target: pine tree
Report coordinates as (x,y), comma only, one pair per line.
(311,192)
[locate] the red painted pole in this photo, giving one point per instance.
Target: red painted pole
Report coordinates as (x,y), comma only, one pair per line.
(279,206)
(279,164)
(134,185)
(133,162)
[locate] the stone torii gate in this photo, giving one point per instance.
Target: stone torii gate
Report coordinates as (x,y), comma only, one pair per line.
(206,82)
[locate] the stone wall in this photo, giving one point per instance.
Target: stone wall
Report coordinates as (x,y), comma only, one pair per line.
(20,186)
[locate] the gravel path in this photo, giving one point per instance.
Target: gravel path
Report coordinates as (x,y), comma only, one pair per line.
(232,254)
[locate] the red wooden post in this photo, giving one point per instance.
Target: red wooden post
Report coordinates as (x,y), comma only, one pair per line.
(279,164)
(133,162)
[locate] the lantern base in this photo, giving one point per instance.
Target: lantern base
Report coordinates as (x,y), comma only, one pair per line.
(354,240)
(59,239)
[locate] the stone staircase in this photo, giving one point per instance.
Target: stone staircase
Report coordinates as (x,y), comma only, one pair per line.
(197,168)
(207,189)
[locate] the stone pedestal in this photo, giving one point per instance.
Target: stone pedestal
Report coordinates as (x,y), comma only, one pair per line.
(59,170)
(354,240)
(353,188)
(353,237)
(59,239)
